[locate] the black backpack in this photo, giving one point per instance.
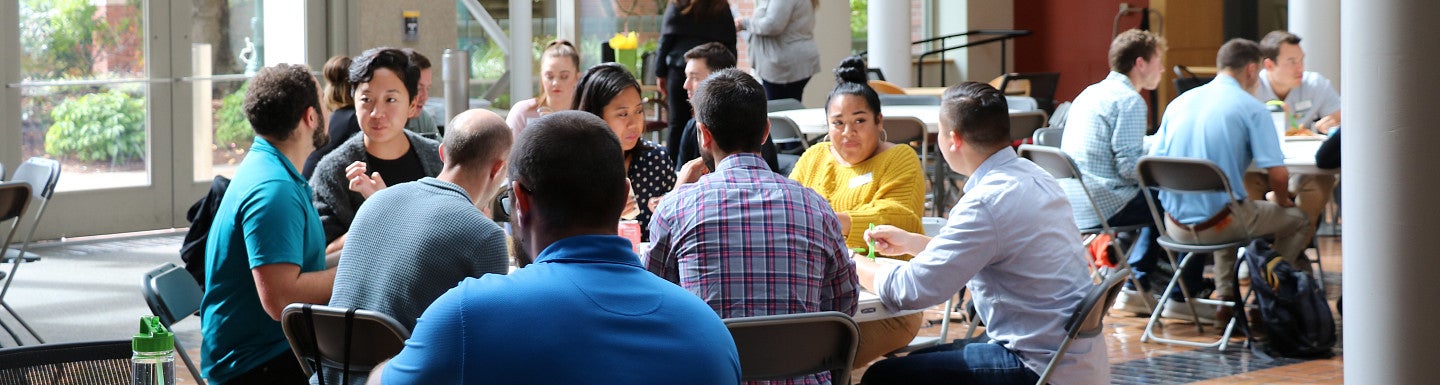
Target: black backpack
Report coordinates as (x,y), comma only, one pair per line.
(1292,306)
(192,251)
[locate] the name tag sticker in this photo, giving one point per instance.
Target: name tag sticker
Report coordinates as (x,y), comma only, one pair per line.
(1303,105)
(861,180)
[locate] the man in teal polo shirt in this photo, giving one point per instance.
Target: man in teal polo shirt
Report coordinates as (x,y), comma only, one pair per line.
(266,248)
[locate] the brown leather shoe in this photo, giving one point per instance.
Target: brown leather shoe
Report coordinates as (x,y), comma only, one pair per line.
(1223,313)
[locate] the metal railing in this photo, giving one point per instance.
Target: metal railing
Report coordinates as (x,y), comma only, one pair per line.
(1000,35)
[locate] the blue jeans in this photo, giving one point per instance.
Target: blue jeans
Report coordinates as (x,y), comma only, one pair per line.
(1145,252)
(955,363)
(794,90)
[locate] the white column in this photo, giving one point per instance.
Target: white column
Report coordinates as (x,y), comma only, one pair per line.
(833,40)
(1318,24)
(1390,206)
(889,40)
(522,65)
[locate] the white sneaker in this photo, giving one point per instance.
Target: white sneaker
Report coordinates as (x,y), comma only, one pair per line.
(1134,302)
(1181,311)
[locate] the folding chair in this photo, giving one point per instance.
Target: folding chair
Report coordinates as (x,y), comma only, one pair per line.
(42,174)
(883,87)
(787,137)
(1061,166)
(907,130)
(1024,124)
(348,340)
(1195,176)
(1038,85)
(14,198)
(791,345)
(1048,136)
(78,363)
(173,295)
(1088,319)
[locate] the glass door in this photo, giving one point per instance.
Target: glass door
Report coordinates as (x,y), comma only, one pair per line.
(90,96)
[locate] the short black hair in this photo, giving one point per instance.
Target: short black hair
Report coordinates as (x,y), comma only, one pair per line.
(715,55)
(851,79)
(1270,44)
(979,112)
(363,67)
(472,146)
(571,163)
(1237,53)
(278,97)
(731,104)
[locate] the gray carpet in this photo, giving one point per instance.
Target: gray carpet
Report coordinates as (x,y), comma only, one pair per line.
(90,290)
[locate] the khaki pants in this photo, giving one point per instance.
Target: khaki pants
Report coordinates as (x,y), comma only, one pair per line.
(1248,219)
(1312,193)
(883,336)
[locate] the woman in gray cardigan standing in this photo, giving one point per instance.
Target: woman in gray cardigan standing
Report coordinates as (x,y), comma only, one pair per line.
(782,45)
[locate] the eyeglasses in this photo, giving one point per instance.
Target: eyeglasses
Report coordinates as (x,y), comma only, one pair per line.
(508,203)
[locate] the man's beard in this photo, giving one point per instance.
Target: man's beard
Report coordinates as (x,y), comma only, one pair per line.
(709,160)
(320,137)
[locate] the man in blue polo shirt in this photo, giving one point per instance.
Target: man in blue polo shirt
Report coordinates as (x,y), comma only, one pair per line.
(1221,122)
(585,311)
(266,247)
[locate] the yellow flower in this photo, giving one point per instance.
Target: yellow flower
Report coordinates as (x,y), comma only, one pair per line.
(625,41)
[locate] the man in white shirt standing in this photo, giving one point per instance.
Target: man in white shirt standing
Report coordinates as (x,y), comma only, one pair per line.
(1012,240)
(1311,103)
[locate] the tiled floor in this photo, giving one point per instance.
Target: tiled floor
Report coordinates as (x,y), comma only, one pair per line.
(1135,362)
(105,303)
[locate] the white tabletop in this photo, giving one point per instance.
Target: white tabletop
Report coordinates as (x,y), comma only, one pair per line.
(1300,155)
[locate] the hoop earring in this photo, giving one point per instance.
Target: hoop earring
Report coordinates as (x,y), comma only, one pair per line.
(884,135)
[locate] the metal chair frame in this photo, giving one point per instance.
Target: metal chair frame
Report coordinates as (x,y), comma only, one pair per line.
(173,295)
(790,345)
(1185,175)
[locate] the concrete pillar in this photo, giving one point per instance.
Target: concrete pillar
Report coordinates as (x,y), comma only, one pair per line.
(522,71)
(889,40)
(1318,24)
(1391,261)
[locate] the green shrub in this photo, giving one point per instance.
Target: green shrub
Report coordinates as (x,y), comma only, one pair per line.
(232,128)
(99,126)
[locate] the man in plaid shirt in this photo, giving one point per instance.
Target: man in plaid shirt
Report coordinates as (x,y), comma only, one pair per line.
(746,240)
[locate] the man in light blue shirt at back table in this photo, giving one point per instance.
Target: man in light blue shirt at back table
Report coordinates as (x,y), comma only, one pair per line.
(1221,122)
(1012,240)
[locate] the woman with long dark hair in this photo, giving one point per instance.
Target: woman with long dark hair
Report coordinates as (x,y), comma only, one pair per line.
(609,91)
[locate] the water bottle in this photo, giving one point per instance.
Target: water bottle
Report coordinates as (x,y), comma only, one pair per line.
(154,360)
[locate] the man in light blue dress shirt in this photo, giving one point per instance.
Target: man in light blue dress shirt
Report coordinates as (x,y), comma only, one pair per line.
(1222,123)
(1012,240)
(1104,135)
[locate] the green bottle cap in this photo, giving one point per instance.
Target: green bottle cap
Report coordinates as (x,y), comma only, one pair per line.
(152,338)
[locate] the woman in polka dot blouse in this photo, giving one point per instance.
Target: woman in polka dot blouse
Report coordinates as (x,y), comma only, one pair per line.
(610,92)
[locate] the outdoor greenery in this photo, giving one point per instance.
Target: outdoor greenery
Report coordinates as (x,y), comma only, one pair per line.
(859,19)
(56,37)
(232,129)
(98,126)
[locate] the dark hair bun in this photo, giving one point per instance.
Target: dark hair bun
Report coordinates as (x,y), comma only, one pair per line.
(852,69)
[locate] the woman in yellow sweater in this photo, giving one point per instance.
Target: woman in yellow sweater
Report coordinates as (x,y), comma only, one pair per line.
(867,180)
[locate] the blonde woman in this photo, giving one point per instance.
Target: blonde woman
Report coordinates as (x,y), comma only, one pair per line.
(559,71)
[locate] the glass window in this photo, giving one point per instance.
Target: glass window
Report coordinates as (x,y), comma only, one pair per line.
(84,90)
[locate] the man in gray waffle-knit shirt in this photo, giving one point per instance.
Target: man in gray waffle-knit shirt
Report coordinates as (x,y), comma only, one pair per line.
(412,242)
